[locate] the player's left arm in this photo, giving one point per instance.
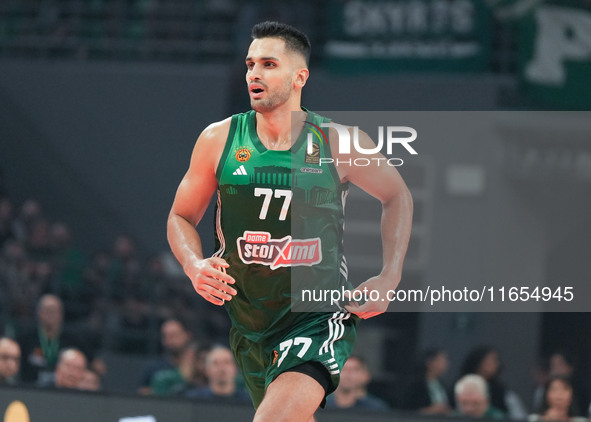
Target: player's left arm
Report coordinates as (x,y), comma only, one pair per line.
(384,183)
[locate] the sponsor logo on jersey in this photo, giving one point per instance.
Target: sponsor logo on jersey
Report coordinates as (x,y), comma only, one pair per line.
(260,248)
(313,154)
(243,154)
(311,170)
(240,171)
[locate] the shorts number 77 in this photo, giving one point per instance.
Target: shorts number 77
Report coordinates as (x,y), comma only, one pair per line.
(284,347)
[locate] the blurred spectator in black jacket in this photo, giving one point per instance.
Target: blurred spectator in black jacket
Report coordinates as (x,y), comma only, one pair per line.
(18,289)
(175,338)
(427,393)
(42,343)
(95,292)
(29,213)
(486,362)
(188,375)
(124,269)
(561,363)
(352,390)
(221,371)
(68,264)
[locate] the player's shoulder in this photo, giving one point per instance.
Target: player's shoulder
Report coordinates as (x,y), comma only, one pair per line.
(216,132)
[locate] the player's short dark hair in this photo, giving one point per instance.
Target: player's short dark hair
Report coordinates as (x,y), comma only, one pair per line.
(295,39)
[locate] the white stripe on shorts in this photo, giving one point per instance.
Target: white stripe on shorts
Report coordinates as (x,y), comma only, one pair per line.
(336,330)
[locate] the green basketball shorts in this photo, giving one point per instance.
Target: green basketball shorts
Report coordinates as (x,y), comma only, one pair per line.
(327,338)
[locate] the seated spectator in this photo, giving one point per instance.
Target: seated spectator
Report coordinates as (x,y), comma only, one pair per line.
(486,362)
(562,363)
(69,370)
(186,376)
(221,371)
(94,295)
(124,269)
(541,375)
(21,280)
(41,344)
(68,264)
(352,390)
(427,393)
(30,212)
(175,338)
(10,360)
(472,398)
(558,401)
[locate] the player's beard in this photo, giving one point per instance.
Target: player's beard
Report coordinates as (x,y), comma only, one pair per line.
(273,100)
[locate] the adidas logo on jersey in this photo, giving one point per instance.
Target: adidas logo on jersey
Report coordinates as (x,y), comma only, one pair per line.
(240,171)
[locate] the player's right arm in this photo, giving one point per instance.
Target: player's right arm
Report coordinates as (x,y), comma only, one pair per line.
(190,203)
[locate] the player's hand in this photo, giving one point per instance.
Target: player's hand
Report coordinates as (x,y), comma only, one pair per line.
(371,308)
(210,280)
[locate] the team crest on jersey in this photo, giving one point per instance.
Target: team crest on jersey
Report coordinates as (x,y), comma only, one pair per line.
(313,157)
(260,248)
(243,154)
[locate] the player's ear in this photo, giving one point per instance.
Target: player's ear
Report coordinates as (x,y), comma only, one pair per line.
(301,77)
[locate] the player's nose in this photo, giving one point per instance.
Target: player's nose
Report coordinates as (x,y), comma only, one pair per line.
(254,73)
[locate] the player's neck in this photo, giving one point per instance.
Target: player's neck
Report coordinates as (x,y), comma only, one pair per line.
(275,127)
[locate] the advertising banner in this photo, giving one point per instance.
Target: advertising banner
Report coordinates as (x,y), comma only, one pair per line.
(403,35)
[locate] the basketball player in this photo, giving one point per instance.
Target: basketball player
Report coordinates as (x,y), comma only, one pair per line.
(290,361)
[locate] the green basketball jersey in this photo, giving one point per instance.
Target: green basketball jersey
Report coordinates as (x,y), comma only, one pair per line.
(279,224)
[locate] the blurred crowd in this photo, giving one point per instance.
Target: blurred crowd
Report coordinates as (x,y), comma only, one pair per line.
(190,368)
(54,295)
(171,30)
(117,298)
(60,311)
